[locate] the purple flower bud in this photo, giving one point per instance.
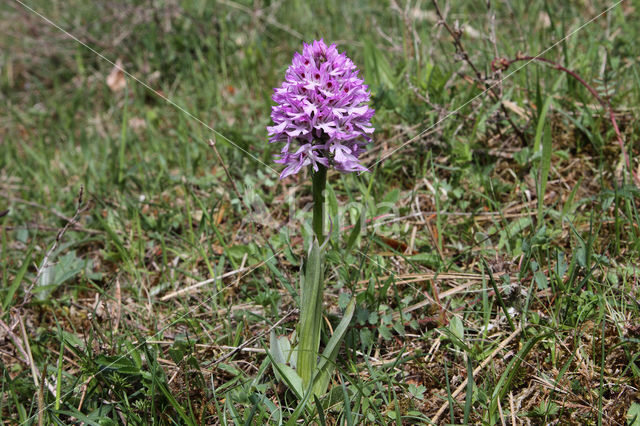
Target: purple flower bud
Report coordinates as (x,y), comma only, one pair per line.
(322,113)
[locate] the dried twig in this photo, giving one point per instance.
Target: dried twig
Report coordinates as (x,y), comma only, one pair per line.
(27,351)
(206,347)
(15,339)
(196,286)
(41,406)
(54,212)
(81,208)
(118,309)
(456,35)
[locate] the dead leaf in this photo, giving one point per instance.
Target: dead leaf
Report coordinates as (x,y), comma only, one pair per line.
(544,20)
(137,123)
(220,214)
(515,108)
(396,245)
(115,79)
(116,306)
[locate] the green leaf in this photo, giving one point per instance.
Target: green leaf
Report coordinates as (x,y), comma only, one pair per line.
(541,279)
(355,232)
(174,403)
(333,211)
(469,397)
(72,340)
(321,380)
(55,274)
(366,337)
(541,125)
(123,141)
(281,351)
(321,418)
(569,203)
(79,416)
(417,391)
(135,354)
(544,130)
(237,252)
(343,300)
(507,377)
(362,315)
(543,115)
(122,365)
(311,283)
(291,378)
(347,406)
(633,415)
(377,66)
(274,348)
(457,328)
(384,332)
(545,166)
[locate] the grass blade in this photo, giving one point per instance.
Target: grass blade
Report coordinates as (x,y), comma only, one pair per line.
(469,396)
(347,406)
(507,377)
(545,166)
(320,410)
(16,281)
(498,296)
(323,374)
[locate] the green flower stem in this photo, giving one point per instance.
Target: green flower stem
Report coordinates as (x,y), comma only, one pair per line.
(312,282)
(319,184)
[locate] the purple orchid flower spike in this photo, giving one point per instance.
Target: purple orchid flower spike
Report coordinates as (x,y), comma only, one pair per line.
(322,113)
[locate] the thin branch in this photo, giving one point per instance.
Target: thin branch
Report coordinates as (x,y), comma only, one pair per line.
(194,287)
(456,35)
(53,211)
(80,208)
(16,341)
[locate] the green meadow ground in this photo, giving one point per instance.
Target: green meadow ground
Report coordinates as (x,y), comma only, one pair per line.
(497,275)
